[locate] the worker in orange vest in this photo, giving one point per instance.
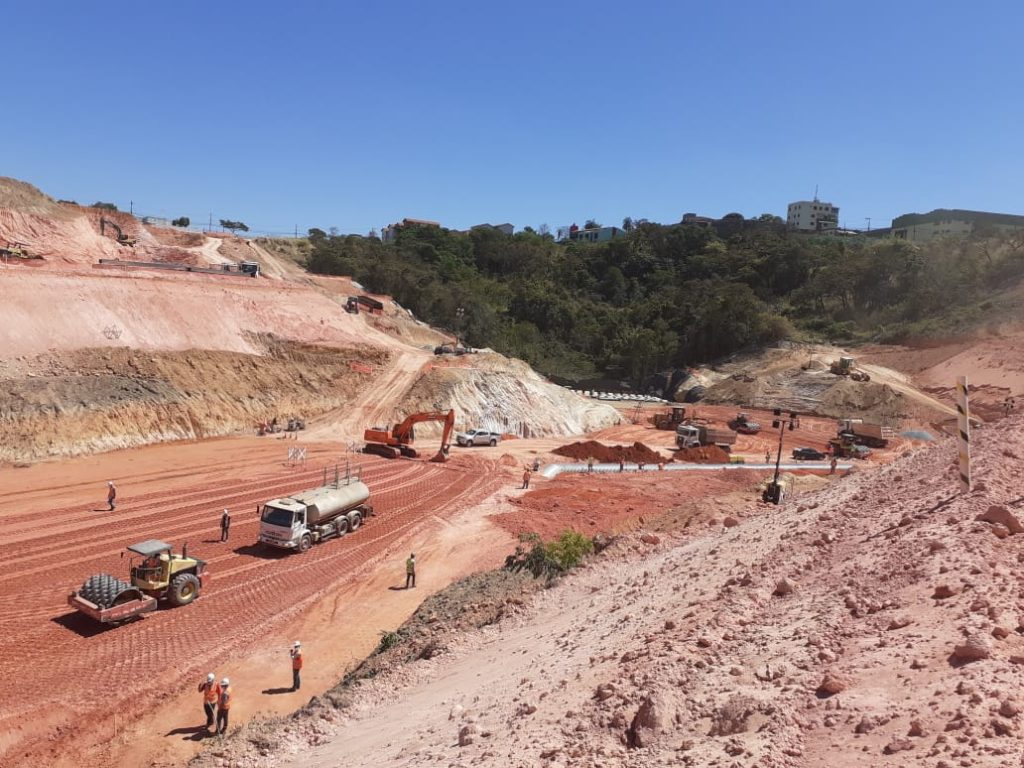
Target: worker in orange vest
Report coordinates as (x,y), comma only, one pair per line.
(223,706)
(211,692)
(296,654)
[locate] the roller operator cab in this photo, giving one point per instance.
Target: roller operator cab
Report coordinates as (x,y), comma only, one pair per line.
(297,522)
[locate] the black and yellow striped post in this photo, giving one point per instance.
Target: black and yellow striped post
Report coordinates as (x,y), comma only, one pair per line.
(963,413)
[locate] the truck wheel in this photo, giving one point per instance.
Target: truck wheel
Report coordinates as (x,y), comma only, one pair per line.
(305,543)
(342,526)
(355,521)
(493,442)
(184,589)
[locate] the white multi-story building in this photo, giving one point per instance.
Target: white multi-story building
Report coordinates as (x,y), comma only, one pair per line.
(812,216)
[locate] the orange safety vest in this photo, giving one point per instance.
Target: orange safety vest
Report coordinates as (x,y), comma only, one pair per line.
(296,660)
(211,691)
(225,698)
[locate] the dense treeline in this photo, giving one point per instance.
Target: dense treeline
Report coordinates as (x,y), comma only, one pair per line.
(668,295)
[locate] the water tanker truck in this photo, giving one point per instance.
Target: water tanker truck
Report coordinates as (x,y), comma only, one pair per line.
(299,521)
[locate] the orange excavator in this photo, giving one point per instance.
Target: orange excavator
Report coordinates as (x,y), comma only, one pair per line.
(390,444)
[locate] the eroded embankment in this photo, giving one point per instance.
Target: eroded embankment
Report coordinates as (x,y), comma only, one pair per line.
(103,399)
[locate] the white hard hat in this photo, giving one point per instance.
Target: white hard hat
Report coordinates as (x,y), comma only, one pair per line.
(210,677)
(225,681)
(298,644)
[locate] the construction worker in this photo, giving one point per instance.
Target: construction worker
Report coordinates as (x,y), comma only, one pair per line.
(590,464)
(211,693)
(223,706)
(526,478)
(767,456)
(296,654)
(410,571)
(536,464)
(111,494)
(622,465)
(832,465)
(225,525)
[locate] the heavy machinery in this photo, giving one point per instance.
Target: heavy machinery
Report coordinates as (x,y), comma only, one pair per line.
(15,250)
(856,431)
(845,448)
(847,366)
(694,436)
(159,575)
(744,425)
(669,419)
(299,521)
(122,238)
(399,439)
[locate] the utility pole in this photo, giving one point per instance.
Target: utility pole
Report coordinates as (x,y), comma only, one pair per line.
(210,227)
(868,220)
(131,207)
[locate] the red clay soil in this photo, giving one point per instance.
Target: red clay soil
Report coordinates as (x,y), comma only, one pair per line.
(612,503)
(609,454)
(63,677)
(705,454)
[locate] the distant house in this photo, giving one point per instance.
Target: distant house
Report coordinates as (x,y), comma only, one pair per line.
(596,235)
(390,233)
(943,222)
(507,229)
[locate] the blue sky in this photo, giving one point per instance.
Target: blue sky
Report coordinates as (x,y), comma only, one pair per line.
(353,115)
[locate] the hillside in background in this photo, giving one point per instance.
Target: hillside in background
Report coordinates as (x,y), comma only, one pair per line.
(678,295)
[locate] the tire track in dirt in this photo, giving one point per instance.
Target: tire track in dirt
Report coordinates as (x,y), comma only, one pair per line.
(68,664)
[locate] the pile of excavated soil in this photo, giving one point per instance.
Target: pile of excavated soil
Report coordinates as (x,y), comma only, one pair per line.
(704,454)
(101,399)
(505,395)
(608,454)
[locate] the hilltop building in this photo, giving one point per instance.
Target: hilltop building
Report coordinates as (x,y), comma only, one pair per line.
(812,216)
(597,235)
(390,233)
(506,228)
(944,222)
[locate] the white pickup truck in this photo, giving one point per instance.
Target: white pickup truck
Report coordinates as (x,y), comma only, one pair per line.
(477,437)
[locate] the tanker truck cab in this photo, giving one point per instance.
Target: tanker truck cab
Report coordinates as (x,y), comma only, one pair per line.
(309,517)
(282,523)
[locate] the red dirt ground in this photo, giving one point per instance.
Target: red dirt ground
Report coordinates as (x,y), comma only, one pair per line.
(611,503)
(64,678)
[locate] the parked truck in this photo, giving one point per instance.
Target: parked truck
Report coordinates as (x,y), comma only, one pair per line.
(872,435)
(695,435)
(307,518)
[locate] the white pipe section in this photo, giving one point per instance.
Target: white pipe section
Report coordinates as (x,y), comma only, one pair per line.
(553,470)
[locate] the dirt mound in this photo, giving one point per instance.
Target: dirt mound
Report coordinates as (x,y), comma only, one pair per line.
(493,392)
(704,454)
(609,454)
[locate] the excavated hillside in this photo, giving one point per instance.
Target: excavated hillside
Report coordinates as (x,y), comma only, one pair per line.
(91,400)
(874,622)
(94,357)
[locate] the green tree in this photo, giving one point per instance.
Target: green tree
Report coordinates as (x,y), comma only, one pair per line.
(181,221)
(233,226)
(104,206)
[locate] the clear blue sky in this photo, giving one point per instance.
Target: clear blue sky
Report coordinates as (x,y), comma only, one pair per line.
(354,115)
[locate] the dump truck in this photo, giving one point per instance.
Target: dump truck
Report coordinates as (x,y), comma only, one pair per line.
(299,521)
(843,448)
(871,435)
(159,575)
(695,435)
